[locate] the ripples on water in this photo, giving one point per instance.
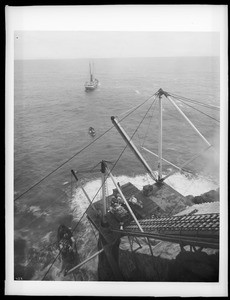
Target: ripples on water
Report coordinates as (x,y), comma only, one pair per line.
(52,114)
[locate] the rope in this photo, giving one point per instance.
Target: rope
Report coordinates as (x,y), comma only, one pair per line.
(93,230)
(102,184)
(61,165)
(83,215)
(75,225)
(148,125)
(136,107)
(50,206)
(94,167)
(195,102)
(71,184)
(52,263)
(77,153)
(197,110)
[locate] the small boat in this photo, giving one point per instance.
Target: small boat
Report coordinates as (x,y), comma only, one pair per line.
(67,247)
(92,131)
(93,83)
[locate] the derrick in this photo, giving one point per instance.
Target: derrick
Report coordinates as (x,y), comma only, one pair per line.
(144,215)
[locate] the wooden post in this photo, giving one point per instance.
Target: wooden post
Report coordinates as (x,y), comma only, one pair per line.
(187,119)
(129,142)
(90,202)
(85,261)
(123,197)
(160,140)
(104,209)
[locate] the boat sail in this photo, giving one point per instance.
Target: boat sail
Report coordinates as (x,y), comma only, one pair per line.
(93,82)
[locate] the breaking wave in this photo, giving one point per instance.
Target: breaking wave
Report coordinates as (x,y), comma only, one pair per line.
(186,185)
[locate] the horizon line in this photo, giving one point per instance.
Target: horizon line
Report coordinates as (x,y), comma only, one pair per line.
(117,57)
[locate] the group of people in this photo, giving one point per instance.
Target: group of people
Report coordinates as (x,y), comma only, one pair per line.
(92,131)
(67,247)
(118,206)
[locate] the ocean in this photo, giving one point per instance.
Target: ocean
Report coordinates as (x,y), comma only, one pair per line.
(52,114)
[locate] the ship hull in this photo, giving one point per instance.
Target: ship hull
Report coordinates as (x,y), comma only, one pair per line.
(91,85)
(90,88)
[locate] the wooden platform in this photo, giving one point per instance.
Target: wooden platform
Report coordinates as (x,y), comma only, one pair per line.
(163,201)
(96,220)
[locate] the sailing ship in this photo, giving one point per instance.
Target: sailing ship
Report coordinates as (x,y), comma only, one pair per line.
(93,82)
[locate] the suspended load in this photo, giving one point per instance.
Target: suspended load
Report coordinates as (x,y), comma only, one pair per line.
(92,131)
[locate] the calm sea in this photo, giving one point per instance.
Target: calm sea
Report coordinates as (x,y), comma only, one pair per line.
(52,114)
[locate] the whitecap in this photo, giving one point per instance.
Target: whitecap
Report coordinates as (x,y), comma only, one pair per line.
(46,238)
(192,185)
(36,211)
(185,185)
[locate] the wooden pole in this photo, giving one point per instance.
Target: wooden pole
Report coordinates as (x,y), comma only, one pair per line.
(103,177)
(90,202)
(85,261)
(187,119)
(160,140)
(175,166)
(188,161)
(123,197)
(129,142)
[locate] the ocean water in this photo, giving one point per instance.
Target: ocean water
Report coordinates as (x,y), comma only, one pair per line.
(52,114)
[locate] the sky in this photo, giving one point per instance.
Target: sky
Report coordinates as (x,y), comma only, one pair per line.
(107,44)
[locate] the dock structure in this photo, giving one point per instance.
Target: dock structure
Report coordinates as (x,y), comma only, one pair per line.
(151,213)
(161,220)
(157,219)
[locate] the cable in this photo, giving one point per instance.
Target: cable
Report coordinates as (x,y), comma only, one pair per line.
(182,197)
(93,230)
(71,183)
(102,183)
(53,263)
(84,148)
(197,109)
(61,165)
(114,165)
(136,107)
(94,167)
(140,139)
(110,172)
(194,101)
(148,126)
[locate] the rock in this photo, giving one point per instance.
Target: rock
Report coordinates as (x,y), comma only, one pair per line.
(211,196)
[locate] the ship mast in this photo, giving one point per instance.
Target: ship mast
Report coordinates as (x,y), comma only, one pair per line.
(91,75)
(160,137)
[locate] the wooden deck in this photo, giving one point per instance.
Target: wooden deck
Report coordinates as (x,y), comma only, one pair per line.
(162,201)
(156,219)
